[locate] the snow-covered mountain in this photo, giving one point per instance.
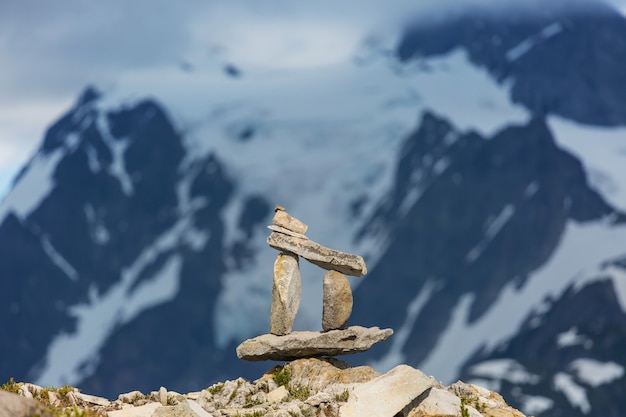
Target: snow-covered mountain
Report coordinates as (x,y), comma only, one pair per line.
(476,162)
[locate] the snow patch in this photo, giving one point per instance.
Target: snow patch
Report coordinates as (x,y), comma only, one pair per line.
(576,395)
(92,159)
(504,369)
(602,152)
(33,186)
(618,276)
(551,30)
(98,231)
(394,355)
(492,228)
(531,189)
(71,357)
(596,373)
(572,338)
(526,45)
(117,148)
(461,339)
(163,286)
(58,259)
(535,404)
(520,49)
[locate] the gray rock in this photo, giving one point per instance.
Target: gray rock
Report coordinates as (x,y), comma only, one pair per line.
(389,394)
(298,345)
(282,230)
(14,405)
(330,375)
(89,399)
(131,397)
(319,255)
(277,395)
(184,409)
(337,302)
(282,218)
(286,293)
(147,410)
(438,402)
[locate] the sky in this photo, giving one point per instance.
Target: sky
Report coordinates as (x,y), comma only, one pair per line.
(50,51)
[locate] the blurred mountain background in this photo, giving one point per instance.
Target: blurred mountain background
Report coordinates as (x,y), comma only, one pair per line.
(474,154)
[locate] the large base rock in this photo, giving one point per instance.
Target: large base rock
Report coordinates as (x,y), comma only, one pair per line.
(298,345)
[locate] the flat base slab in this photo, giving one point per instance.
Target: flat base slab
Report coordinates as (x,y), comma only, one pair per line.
(297,345)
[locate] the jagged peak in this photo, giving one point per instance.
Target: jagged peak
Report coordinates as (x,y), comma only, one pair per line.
(89,95)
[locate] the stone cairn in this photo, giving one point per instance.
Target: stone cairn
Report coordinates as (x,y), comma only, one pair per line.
(281,344)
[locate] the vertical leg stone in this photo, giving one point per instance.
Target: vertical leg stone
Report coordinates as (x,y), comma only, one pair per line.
(286,293)
(337,306)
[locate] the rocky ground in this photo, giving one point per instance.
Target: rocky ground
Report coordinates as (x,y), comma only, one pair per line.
(304,387)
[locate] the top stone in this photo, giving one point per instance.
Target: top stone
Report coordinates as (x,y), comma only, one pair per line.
(283,219)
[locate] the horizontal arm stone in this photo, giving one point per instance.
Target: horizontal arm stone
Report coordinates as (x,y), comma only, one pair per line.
(319,255)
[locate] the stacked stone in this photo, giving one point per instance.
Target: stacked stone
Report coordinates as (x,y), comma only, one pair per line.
(289,238)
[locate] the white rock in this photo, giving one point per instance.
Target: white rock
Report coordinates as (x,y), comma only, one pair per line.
(277,395)
(193,395)
(319,398)
(196,408)
(163,395)
(388,394)
(439,402)
(91,399)
(24,392)
(143,411)
(130,397)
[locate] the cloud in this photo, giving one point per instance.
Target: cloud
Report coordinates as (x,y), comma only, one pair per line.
(51,50)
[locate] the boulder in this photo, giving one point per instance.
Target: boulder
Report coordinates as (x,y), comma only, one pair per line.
(277,395)
(308,344)
(286,293)
(437,402)
(319,255)
(14,405)
(481,401)
(337,301)
(386,396)
(329,374)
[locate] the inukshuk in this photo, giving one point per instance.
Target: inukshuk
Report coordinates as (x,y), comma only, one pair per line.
(288,237)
